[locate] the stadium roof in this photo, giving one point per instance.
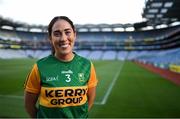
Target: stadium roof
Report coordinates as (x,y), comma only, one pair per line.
(88,27)
(161,12)
(156,12)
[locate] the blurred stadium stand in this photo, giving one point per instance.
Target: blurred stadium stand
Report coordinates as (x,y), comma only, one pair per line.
(156,45)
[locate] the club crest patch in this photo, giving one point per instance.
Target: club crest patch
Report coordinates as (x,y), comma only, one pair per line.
(81,77)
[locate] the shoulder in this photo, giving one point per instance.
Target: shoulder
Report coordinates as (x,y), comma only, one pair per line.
(44,59)
(82,59)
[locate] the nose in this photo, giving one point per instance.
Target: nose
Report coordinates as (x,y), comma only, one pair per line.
(64,37)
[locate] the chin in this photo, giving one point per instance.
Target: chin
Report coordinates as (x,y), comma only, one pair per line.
(65,52)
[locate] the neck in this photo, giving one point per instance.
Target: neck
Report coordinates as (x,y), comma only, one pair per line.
(64,58)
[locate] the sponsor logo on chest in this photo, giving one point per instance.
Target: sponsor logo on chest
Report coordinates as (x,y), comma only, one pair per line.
(52,78)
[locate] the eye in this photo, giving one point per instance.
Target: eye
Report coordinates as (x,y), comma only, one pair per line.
(56,33)
(68,33)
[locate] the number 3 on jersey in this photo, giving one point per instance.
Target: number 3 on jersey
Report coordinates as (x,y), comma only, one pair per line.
(68,77)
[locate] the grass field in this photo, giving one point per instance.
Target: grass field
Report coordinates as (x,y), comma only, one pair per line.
(124,90)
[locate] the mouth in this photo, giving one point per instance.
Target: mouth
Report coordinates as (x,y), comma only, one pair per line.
(64,45)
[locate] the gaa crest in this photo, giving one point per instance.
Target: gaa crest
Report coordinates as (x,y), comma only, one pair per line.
(81,77)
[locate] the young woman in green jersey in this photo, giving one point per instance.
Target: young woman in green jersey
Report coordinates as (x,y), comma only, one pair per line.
(63,83)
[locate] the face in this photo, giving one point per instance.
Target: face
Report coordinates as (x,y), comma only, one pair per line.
(62,38)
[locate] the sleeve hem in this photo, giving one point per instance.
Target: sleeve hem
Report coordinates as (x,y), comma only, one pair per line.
(31,90)
(93,85)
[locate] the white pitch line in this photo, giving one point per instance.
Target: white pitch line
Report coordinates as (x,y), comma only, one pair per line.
(12,96)
(111,86)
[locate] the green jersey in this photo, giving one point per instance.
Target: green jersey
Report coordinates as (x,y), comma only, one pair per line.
(63,86)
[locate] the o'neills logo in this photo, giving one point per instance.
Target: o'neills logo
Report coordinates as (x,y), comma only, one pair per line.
(63,97)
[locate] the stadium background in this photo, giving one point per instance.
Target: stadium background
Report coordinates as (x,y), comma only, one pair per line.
(138,71)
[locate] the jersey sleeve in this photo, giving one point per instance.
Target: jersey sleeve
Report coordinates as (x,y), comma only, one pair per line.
(93,80)
(32,83)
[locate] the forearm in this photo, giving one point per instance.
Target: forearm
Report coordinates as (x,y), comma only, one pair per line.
(91,97)
(90,104)
(30,104)
(32,111)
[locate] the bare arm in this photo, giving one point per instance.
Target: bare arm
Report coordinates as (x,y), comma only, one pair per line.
(91,97)
(30,104)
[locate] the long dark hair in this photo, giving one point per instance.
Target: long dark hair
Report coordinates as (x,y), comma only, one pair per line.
(52,22)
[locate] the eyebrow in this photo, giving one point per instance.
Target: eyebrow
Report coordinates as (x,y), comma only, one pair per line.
(67,29)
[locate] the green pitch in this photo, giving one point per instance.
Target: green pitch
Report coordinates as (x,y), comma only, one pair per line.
(124,90)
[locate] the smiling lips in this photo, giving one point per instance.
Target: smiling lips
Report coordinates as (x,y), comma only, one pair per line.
(64,45)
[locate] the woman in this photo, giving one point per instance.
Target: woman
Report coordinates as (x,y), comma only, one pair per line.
(64,83)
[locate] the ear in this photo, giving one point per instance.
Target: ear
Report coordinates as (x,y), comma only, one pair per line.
(75,34)
(50,40)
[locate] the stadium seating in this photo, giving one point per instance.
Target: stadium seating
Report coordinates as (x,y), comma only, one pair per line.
(158,47)
(109,55)
(9,54)
(95,55)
